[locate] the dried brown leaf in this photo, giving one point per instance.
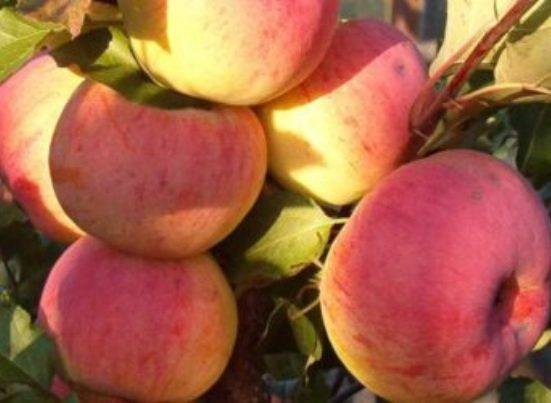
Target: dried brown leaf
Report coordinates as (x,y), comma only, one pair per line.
(70,13)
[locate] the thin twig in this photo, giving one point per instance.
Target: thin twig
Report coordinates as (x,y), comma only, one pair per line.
(435,109)
(338,221)
(306,309)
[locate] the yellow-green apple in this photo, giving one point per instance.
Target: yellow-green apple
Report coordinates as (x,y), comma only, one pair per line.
(238,52)
(136,328)
(159,183)
(31,102)
(440,282)
(335,135)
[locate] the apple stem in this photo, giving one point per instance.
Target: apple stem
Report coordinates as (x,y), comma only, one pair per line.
(339,221)
(306,309)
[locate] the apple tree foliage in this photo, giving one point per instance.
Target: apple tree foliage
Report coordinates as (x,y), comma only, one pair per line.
(493,71)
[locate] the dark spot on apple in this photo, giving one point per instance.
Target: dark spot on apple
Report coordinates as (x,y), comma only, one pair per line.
(364,341)
(176,329)
(480,352)
(399,68)
(495,179)
(367,147)
(477,195)
(351,121)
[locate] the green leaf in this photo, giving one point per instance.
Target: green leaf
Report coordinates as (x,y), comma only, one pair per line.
(508,151)
(72,398)
(523,390)
(306,335)
(285,366)
(525,57)
(10,213)
(29,259)
(467,19)
(23,394)
(316,391)
(522,69)
(20,39)
(105,55)
(282,234)
(533,123)
(280,304)
(26,354)
(471,19)
(7,3)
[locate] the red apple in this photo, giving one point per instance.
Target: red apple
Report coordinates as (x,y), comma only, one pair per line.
(159,183)
(88,397)
(339,132)
(62,390)
(31,102)
(440,282)
(136,328)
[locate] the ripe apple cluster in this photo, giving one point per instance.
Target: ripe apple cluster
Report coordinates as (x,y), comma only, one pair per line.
(435,288)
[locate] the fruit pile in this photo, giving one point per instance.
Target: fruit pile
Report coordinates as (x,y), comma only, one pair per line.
(433,290)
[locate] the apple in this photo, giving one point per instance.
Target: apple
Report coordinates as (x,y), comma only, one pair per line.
(439,283)
(88,397)
(158,183)
(339,132)
(31,102)
(60,388)
(238,52)
(62,391)
(136,328)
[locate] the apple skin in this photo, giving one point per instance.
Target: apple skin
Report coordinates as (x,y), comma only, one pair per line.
(89,397)
(158,183)
(339,132)
(31,102)
(136,328)
(62,390)
(100,399)
(237,52)
(439,283)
